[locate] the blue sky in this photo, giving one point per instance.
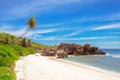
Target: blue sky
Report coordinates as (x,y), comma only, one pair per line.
(70,21)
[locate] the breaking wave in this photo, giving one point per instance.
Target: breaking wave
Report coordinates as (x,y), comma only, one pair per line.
(113,55)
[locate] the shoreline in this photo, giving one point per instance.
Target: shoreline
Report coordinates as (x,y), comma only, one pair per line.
(88,65)
(92,68)
(36,67)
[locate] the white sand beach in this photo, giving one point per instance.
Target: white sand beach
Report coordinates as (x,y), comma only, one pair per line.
(36,67)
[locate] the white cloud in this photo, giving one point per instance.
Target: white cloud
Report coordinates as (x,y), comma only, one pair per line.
(11,30)
(113,42)
(86,19)
(77,32)
(112,17)
(111,26)
(95,38)
(108,17)
(50,25)
(35,32)
(5,27)
(55,38)
(37,6)
(72,34)
(41,6)
(101,18)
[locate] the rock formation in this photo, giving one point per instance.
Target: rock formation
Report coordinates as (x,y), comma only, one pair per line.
(72,49)
(61,54)
(47,52)
(75,49)
(38,50)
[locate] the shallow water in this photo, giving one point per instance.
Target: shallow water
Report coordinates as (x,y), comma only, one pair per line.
(111,61)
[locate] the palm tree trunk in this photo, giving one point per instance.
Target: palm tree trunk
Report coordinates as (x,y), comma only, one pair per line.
(25,33)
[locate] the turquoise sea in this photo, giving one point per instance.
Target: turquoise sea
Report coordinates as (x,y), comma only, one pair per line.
(110,61)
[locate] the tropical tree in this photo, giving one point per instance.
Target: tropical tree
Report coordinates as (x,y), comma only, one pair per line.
(31,23)
(29,43)
(6,40)
(24,42)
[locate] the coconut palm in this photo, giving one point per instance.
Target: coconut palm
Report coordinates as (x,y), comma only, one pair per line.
(31,23)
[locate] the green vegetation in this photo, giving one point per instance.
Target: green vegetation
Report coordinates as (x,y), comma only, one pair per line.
(13,40)
(8,55)
(11,48)
(42,46)
(10,39)
(31,23)
(6,73)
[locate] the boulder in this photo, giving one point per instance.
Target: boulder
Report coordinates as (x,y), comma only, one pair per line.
(61,54)
(101,53)
(93,50)
(86,48)
(78,52)
(68,48)
(47,52)
(77,49)
(38,50)
(71,49)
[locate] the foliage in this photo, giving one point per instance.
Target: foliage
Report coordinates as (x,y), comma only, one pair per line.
(42,46)
(10,39)
(11,48)
(31,23)
(6,73)
(8,55)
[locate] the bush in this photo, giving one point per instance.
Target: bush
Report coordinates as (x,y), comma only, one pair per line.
(11,48)
(8,55)
(6,73)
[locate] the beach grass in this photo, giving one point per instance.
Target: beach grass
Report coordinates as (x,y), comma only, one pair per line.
(6,73)
(11,49)
(8,55)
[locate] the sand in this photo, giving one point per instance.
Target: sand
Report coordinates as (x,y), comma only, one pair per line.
(36,67)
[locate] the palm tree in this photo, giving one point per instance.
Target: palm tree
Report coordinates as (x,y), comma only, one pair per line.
(31,22)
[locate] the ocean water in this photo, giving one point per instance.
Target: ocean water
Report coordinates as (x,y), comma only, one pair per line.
(110,61)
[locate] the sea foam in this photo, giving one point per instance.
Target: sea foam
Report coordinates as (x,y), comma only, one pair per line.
(113,55)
